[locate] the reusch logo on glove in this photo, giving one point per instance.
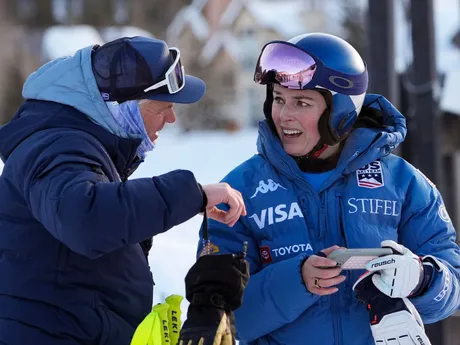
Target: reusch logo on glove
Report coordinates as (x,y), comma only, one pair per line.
(420,340)
(383,263)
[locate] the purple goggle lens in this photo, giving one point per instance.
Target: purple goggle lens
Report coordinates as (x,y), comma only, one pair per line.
(291,67)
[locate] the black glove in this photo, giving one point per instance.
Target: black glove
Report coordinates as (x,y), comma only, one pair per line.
(214,287)
(392,320)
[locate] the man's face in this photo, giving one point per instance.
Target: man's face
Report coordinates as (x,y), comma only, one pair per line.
(296,114)
(155,115)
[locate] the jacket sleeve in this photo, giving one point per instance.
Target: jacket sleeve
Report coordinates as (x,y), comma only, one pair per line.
(274,296)
(67,190)
(427,230)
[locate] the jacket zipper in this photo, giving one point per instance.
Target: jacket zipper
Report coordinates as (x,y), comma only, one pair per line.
(340,220)
(323,217)
(322,221)
(335,309)
(336,318)
(340,224)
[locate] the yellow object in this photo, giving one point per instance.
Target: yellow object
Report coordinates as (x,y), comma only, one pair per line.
(155,328)
(174,317)
(209,249)
(162,310)
(149,331)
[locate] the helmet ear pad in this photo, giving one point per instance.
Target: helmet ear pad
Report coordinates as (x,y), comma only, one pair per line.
(333,133)
(329,136)
(324,124)
(324,129)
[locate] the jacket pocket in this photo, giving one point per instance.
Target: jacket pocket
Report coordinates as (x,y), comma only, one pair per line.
(114,330)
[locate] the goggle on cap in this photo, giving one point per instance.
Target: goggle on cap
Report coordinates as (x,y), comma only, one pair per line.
(143,68)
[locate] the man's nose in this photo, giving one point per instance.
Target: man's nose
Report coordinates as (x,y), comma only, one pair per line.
(170,116)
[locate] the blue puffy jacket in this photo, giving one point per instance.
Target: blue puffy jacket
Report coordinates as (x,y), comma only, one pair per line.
(72,270)
(371,196)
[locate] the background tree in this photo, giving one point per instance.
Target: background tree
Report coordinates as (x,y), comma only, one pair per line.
(154,15)
(354,25)
(17,59)
(98,13)
(32,13)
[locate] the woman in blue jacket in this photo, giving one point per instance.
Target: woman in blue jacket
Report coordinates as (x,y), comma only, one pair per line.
(325,177)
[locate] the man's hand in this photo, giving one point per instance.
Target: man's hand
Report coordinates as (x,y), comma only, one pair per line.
(320,275)
(398,275)
(392,320)
(222,193)
(214,287)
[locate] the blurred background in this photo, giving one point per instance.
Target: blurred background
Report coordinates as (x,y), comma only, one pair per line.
(412,48)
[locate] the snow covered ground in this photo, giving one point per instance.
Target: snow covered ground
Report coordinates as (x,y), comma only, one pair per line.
(210,155)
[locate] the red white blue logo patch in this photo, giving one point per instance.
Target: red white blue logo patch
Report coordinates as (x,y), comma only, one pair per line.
(370,176)
(265,254)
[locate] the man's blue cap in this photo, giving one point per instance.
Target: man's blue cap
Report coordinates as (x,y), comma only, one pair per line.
(124,68)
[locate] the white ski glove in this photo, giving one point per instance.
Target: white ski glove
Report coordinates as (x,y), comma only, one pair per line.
(393,321)
(398,275)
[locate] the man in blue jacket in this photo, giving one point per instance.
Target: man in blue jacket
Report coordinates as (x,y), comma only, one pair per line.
(324,177)
(74,232)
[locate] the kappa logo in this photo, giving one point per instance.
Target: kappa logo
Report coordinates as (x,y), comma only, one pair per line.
(264,188)
(370,176)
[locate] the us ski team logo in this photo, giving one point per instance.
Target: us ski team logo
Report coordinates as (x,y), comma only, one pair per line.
(370,176)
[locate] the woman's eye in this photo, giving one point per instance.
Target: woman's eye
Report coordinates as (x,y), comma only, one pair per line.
(278,100)
(303,104)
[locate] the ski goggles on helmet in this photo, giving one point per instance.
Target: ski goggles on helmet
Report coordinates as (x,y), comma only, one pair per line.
(174,76)
(291,67)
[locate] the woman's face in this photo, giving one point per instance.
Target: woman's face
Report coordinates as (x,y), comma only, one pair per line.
(296,114)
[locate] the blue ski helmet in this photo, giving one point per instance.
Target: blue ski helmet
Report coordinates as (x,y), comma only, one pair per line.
(322,62)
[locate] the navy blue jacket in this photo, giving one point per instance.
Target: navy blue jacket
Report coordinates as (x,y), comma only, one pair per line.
(72,270)
(369,197)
